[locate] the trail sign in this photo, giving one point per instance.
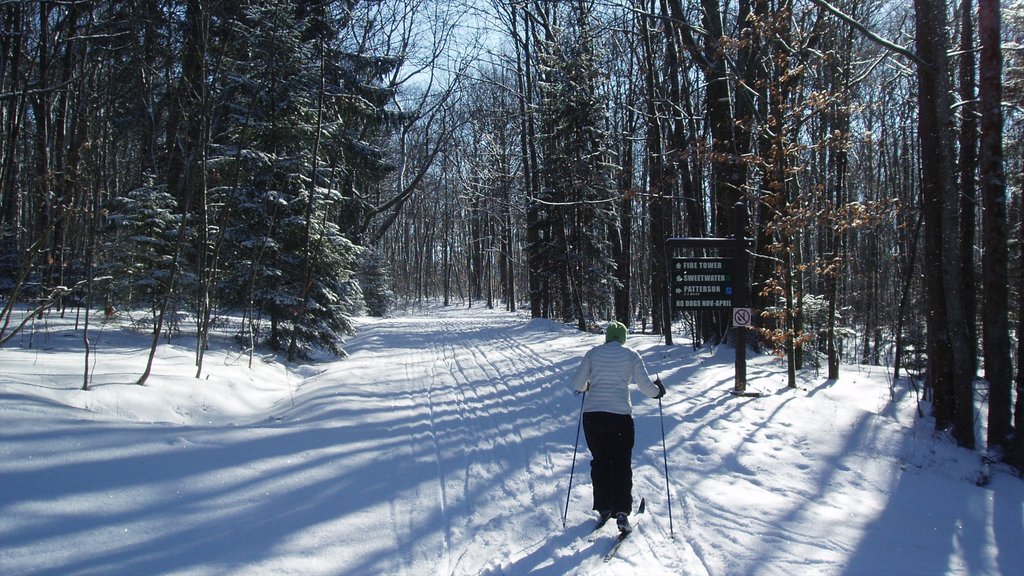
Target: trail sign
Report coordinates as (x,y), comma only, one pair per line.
(702,283)
(717,284)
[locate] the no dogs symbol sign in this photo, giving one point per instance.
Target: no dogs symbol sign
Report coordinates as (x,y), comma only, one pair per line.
(741,316)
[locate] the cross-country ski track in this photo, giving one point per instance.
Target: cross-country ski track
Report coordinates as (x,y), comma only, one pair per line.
(443,445)
(471,417)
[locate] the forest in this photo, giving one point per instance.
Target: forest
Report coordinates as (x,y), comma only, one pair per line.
(286,165)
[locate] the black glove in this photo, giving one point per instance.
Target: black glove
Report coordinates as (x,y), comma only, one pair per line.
(661,388)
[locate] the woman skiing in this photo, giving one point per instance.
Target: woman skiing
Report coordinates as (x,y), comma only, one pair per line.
(605,375)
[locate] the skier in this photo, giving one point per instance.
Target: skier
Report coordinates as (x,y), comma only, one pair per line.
(605,375)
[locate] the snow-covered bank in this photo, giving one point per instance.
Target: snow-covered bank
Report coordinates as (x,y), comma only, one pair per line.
(443,445)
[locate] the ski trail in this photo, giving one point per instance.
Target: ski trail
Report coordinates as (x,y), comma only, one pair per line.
(400,515)
(482,398)
(486,427)
(509,367)
(441,357)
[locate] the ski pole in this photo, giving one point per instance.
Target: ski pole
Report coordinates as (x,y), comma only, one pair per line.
(668,489)
(572,471)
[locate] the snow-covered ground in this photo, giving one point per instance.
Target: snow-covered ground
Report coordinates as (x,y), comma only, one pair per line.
(443,445)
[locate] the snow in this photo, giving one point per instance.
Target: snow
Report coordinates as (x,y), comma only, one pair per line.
(443,445)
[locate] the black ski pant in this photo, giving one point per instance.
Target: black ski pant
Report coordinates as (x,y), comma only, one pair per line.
(610,438)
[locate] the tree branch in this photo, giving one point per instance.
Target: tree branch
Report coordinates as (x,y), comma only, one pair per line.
(871,35)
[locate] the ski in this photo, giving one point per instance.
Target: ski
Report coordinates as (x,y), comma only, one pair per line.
(615,547)
(624,535)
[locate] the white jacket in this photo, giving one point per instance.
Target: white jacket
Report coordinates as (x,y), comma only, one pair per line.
(606,373)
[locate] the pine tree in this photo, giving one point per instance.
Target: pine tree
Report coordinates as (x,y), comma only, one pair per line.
(284,252)
(374,277)
(357,139)
(577,176)
(142,231)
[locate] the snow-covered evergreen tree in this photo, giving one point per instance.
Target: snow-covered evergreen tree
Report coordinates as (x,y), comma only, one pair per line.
(375,280)
(142,234)
(355,140)
(577,184)
(277,186)
(299,134)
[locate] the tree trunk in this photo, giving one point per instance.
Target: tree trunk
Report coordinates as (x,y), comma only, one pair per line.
(837,255)
(15,80)
(968,144)
(622,245)
(661,316)
(1018,412)
(721,121)
(901,311)
(528,150)
(996,332)
(949,351)
(41,110)
(508,262)
(206,262)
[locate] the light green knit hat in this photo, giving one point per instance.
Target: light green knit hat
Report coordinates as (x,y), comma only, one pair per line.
(615,331)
